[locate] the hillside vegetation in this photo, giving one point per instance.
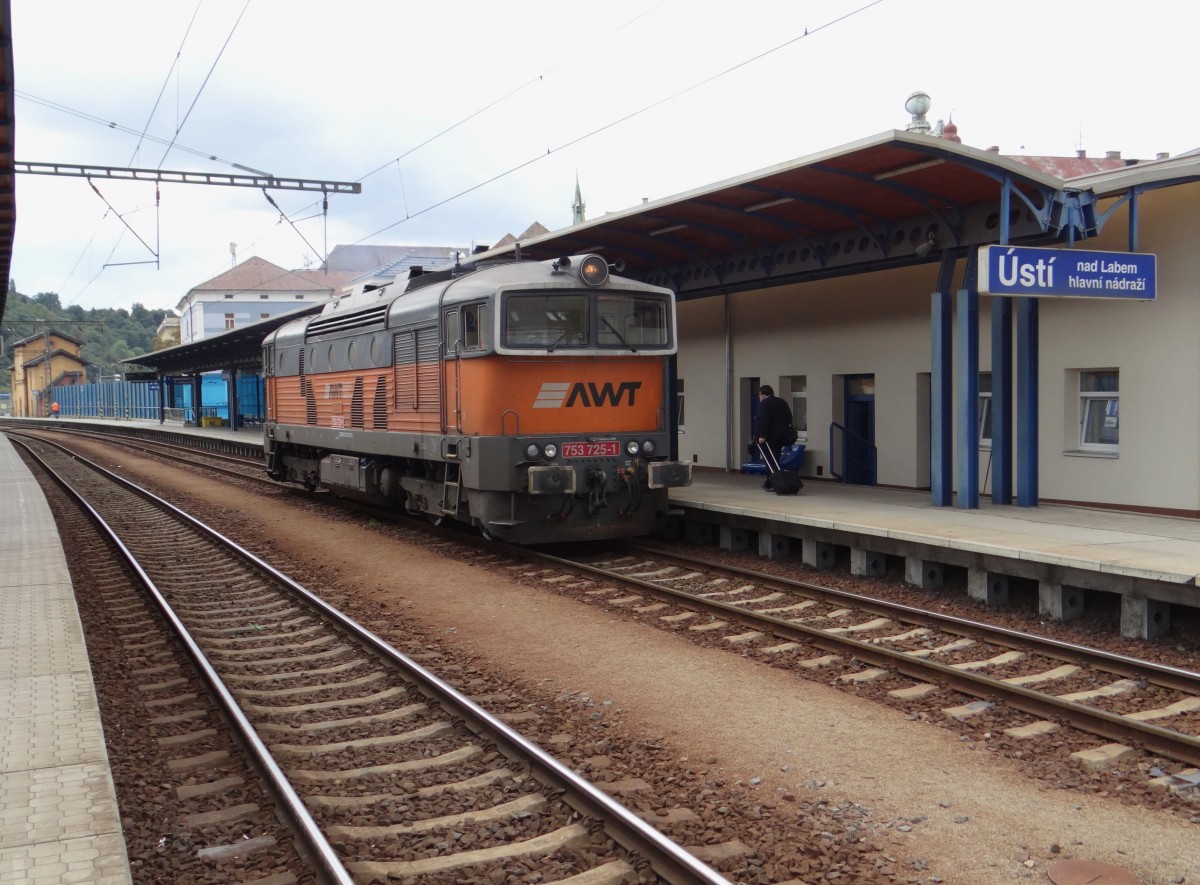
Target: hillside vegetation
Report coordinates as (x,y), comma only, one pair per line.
(109,335)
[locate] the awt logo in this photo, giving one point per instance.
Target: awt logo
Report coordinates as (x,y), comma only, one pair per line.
(564,394)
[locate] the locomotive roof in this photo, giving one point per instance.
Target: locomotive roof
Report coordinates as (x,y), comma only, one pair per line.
(453,286)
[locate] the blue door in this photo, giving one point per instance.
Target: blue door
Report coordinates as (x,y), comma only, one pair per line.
(859,439)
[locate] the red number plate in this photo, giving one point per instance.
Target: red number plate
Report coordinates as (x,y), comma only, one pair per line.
(591,449)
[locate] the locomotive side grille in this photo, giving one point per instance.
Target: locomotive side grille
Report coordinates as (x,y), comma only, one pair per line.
(416,368)
(356,404)
(379,417)
(363,321)
(306,390)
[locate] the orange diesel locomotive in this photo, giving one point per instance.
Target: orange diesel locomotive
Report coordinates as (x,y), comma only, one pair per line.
(525,398)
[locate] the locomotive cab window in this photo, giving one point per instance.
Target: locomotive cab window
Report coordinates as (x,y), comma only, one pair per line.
(546,321)
(627,321)
(464,329)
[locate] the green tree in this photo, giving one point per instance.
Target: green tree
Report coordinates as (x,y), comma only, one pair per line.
(109,335)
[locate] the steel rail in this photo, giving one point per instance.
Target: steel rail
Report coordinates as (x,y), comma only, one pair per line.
(669,860)
(1168,743)
(1166,676)
(135,442)
(314,840)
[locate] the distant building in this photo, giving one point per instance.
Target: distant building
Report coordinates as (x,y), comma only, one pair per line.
(167,334)
(358,260)
(252,291)
(578,207)
(41,363)
(534,230)
(402,267)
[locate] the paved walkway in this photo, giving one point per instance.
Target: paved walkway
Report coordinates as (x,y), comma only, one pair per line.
(58,810)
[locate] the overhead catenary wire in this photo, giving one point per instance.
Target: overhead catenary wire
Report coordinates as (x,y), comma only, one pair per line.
(166,81)
(696,85)
(487,107)
(283,217)
(207,76)
(627,117)
(409,213)
(118,127)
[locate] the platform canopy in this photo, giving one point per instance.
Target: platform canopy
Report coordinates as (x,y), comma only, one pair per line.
(239,349)
(891,200)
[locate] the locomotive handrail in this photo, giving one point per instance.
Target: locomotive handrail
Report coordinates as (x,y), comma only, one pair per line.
(504,415)
(458,346)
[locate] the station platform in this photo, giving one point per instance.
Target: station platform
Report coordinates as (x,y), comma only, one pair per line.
(1151,561)
(58,808)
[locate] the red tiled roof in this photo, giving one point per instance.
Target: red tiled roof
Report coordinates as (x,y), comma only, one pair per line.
(1073,167)
(259,275)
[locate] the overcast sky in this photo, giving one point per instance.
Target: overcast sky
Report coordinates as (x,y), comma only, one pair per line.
(639,98)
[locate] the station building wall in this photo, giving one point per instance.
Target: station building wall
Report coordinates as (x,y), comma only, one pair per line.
(1155,346)
(879,324)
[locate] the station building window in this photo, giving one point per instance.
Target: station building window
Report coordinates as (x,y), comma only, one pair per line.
(228,321)
(985,411)
(1099,410)
(796,387)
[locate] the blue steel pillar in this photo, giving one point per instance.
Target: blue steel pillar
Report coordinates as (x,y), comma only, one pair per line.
(197,397)
(966,386)
(1002,368)
(941,390)
(231,397)
(941,399)
(1027,402)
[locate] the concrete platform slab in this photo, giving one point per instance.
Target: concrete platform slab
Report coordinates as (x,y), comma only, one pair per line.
(59,820)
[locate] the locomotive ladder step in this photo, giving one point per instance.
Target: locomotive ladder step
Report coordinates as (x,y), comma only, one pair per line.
(452,489)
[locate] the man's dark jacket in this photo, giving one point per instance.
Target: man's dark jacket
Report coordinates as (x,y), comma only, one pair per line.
(771,422)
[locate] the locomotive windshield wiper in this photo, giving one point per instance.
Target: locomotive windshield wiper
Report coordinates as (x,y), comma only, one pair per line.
(621,337)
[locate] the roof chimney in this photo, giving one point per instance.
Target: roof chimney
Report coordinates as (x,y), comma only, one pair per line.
(1161,155)
(1081,154)
(995,149)
(1113,155)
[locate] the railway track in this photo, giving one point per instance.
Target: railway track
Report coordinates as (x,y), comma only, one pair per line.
(929,664)
(383,770)
(251,469)
(1024,685)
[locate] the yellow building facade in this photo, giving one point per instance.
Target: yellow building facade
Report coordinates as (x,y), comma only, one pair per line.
(41,363)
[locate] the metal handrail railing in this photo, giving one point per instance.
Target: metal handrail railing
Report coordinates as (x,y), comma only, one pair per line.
(844,450)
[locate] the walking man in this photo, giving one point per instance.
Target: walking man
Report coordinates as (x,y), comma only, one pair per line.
(772,423)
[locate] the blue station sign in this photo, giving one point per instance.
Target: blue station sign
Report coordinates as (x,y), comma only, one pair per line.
(1066,273)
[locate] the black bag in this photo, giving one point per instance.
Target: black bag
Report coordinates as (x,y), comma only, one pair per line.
(782,482)
(791,435)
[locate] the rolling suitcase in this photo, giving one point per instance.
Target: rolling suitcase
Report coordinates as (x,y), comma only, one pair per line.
(782,482)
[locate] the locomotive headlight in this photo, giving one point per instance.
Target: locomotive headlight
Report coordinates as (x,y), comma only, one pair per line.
(531,451)
(594,270)
(648,447)
(550,450)
(631,447)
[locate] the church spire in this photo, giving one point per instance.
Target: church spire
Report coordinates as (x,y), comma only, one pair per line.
(578,208)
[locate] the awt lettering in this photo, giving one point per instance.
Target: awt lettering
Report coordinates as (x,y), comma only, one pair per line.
(592,394)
